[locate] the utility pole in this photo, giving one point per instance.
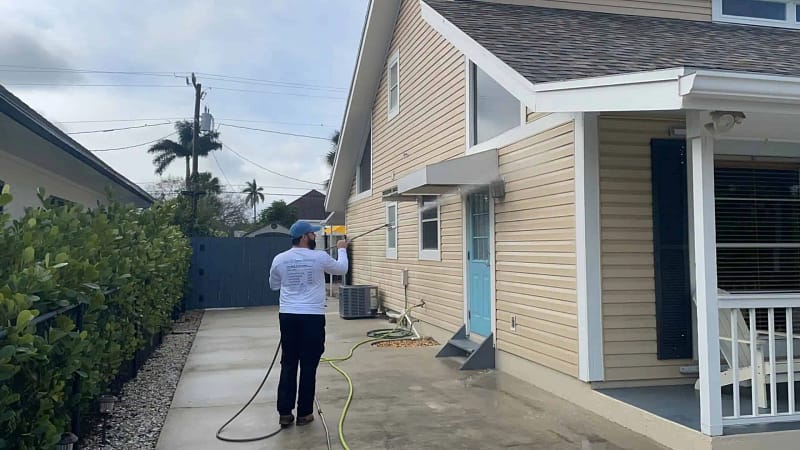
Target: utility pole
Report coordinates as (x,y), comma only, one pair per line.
(195,137)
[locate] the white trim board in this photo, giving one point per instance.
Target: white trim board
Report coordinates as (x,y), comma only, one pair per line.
(525,131)
(587,244)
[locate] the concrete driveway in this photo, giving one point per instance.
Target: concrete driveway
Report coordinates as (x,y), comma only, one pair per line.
(404,398)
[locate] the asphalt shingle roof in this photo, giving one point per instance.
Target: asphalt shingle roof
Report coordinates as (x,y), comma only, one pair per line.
(545,44)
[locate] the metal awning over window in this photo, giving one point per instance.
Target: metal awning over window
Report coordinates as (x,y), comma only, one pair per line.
(480,169)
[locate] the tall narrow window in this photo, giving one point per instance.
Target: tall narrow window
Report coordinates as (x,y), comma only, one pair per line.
(391,231)
(393,84)
(494,110)
(364,173)
(2,185)
(429,240)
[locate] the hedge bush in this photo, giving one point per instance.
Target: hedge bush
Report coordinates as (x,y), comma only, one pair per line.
(59,256)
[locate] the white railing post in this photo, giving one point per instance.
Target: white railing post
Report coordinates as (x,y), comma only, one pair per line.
(701,165)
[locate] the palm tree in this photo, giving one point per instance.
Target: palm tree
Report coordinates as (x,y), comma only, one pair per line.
(209,184)
(166,151)
(254,196)
(330,158)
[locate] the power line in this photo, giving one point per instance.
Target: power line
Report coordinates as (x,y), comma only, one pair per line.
(168,74)
(97,85)
(294,94)
(268,170)
(310,124)
(291,94)
(108,130)
(219,166)
(133,146)
(275,132)
(235,185)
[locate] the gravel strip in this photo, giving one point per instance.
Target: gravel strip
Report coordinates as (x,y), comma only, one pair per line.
(145,400)
(407,343)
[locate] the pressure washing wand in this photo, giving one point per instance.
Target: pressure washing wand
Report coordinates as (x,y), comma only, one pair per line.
(386,225)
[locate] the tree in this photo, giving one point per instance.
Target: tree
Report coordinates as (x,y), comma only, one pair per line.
(166,151)
(254,196)
(330,158)
(208,184)
(279,212)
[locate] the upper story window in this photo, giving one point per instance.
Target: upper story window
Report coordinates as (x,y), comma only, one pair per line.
(493,110)
(759,12)
(393,85)
(364,171)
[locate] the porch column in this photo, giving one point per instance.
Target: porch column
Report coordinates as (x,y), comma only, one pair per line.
(704,248)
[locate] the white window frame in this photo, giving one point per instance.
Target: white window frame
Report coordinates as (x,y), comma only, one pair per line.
(391,252)
(430,254)
(500,139)
(393,60)
(790,22)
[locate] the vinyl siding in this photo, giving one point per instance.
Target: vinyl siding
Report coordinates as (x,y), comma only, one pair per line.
(626,221)
(535,251)
(677,9)
(430,127)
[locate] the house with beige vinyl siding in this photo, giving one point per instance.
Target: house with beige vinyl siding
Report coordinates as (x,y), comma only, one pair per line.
(601,198)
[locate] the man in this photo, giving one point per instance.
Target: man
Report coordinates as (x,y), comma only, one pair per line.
(299,273)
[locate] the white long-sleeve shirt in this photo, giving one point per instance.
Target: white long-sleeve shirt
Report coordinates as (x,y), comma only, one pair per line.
(299,273)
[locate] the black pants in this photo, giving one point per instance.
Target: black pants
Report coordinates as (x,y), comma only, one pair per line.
(303,343)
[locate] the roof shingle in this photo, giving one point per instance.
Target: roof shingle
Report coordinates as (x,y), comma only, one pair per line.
(545,44)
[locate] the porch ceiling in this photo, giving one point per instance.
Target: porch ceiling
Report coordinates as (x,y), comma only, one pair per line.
(479,169)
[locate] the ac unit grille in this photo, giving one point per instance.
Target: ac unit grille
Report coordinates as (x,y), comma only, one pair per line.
(356,302)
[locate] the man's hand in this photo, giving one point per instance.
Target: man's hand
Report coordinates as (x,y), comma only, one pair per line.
(342,244)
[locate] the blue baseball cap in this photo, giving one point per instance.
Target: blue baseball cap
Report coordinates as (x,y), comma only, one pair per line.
(300,228)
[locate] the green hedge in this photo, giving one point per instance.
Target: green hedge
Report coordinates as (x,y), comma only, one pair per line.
(56,257)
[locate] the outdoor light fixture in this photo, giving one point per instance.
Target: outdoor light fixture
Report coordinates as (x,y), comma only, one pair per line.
(67,441)
(724,121)
(106,407)
(497,188)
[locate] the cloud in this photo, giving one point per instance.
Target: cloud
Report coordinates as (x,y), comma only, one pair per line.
(26,50)
(313,43)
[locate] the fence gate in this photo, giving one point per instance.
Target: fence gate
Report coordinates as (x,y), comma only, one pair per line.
(233,272)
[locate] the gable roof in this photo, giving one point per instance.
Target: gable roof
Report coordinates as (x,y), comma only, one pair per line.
(311,206)
(375,39)
(546,44)
(20,112)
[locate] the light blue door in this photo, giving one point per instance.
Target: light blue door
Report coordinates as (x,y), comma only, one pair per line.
(479,265)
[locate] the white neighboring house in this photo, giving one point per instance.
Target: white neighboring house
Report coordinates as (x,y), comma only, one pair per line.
(35,153)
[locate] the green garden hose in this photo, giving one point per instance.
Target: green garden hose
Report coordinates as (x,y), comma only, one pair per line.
(378,335)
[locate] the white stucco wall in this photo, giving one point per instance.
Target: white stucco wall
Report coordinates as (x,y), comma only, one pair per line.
(24,178)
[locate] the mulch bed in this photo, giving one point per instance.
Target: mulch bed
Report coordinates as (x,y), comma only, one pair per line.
(407,343)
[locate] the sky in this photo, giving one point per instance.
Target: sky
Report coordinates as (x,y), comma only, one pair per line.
(297,58)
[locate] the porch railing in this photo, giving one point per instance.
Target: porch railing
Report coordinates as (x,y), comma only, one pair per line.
(758,357)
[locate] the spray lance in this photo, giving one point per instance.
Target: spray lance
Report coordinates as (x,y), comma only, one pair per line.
(269,370)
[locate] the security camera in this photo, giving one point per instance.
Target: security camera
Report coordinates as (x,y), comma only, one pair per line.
(724,121)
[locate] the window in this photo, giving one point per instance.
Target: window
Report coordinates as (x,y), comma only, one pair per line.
(2,186)
(759,12)
(364,173)
(391,232)
(429,228)
(393,84)
(758,228)
(55,201)
(493,109)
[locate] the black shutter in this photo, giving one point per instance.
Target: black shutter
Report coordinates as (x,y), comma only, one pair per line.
(671,249)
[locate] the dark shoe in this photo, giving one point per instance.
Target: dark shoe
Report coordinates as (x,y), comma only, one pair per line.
(286,420)
(305,420)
